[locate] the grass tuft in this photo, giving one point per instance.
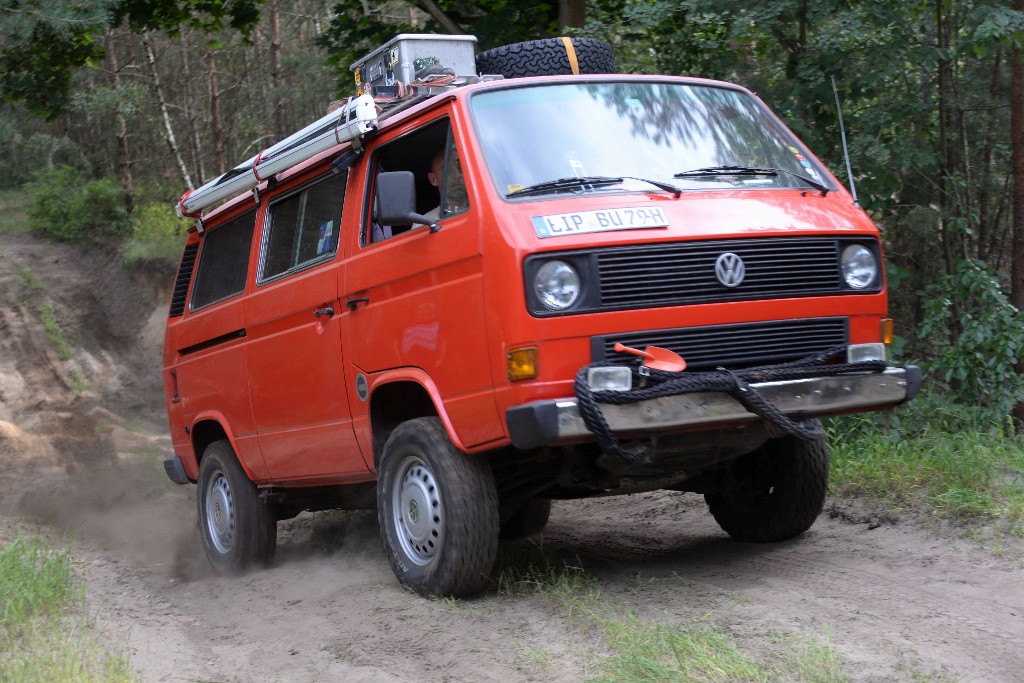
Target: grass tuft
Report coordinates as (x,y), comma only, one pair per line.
(960,476)
(34,580)
(14,205)
(55,333)
(44,635)
(631,649)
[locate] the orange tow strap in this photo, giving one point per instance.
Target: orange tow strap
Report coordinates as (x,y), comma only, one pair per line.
(570,51)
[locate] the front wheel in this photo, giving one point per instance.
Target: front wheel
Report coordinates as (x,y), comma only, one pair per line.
(774,493)
(438,511)
(238,529)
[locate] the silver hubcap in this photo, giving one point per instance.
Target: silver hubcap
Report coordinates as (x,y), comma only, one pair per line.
(220,513)
(417,512)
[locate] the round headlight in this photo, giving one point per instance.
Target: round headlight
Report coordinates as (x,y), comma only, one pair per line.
(859,266)
(557,285)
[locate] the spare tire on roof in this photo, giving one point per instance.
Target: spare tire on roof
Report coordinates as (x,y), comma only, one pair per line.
(548,57)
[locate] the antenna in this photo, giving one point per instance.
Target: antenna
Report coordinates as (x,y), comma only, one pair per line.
(846,150)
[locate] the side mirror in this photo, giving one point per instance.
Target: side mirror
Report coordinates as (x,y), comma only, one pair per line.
(396,200)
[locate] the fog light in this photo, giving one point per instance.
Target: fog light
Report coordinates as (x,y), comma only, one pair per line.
(522,363)
(859,353)
(610,379)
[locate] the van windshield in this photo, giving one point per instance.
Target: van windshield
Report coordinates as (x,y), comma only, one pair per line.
(581,138)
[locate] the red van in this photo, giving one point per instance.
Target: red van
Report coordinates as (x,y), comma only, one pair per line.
(480,295)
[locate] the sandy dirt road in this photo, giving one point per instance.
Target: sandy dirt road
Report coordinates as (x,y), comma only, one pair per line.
(81,439)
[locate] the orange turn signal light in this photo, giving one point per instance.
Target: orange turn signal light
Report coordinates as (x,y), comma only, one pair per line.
(522,363)
(885,328)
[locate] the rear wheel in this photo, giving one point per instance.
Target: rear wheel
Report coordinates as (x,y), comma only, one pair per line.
(237,528)
(547,57)
(438,511)
(774,493)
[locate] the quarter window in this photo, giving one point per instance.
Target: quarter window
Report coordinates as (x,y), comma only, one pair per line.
(302,229)
(223,261)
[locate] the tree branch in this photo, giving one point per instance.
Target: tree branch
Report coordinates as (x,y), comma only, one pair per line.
(447,23)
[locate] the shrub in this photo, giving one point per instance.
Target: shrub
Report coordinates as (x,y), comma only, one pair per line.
(975,336)
(157,234)
(69,207)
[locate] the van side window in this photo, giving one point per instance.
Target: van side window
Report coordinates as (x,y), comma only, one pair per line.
(430,154)
(223,261)
(303,227)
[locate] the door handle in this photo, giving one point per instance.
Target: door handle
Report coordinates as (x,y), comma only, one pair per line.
(354,303)
(328,311)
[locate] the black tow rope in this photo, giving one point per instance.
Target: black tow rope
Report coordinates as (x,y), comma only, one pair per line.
(736,383)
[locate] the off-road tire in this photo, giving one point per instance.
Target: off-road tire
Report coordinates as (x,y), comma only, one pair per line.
(238,529)
(774,493)
(529,520)
(546,57)
(450,551)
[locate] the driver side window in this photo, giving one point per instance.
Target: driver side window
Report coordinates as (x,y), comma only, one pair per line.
(431,156)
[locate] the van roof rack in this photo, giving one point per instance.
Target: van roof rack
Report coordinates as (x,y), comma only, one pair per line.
(407,70)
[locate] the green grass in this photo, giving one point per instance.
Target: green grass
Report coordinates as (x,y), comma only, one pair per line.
(924,464)
(14,211)
(55,333)
(44,634)
(30,281)
(627,648)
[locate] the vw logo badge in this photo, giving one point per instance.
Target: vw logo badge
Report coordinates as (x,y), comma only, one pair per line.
(729,269)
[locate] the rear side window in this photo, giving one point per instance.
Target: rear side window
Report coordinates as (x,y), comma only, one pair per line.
(223,261)
(302,228)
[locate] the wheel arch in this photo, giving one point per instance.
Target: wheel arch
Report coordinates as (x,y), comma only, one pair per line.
(211,427)
(401,396)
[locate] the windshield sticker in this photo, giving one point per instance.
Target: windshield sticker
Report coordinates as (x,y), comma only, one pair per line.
(562,224)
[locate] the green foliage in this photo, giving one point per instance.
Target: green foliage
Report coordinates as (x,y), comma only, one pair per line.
(44,46)
(71,208)
(38,69)
(975,337)
(157,235)
(208,16)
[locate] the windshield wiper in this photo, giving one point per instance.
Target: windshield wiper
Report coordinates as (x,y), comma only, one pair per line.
(594,181)
(565,184)
(668,187)
(749,170)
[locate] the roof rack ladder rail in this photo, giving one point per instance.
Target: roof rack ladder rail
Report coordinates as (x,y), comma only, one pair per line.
(357,118)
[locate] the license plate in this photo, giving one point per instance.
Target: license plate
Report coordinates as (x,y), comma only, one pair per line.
(603,220)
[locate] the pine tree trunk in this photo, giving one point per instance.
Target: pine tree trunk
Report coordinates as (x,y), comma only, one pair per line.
(124,159)
(216,122)
(191,113)
(1017,143)
(276,75)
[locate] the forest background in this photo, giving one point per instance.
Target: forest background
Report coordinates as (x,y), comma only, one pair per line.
(111,108)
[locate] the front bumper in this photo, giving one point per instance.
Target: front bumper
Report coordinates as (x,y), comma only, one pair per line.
(558,421)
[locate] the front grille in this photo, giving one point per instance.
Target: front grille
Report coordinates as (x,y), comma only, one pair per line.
(733,346)
(684,273)
(181,280)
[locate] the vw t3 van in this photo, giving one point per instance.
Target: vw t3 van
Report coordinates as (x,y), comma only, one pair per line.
(460,297)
